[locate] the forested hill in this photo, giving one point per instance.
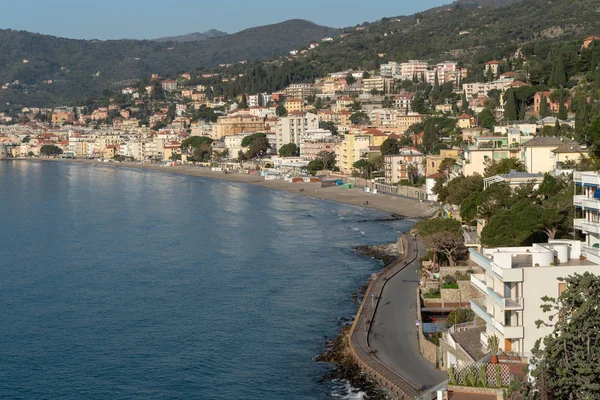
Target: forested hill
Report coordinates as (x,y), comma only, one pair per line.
(193,37)
(463,33)
(487,3)
(80,68)
(470,35)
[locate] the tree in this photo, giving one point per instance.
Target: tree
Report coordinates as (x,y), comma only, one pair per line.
(26,139)
(544,111)
(365,168)
(248,139)
(441,236)
(435,93)
(50,150)
(328,159)
(458,189)
(513,227)
(243,104)
(360,117)
(558,75)
(314,166)
(511,112)
(350,80)
(446,167)
(390,146)
(562,111)
(289,150)
(568,365)
(486,119)
(258,147)
(330,126)
(461,315)
(504,166)
(281,111)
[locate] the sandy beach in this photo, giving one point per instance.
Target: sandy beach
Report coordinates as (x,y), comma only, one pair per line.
(404,206)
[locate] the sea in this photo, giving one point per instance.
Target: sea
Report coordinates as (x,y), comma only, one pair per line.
(119,283)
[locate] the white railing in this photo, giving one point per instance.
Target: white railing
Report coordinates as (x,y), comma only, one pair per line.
(498,326)
(513,303)
(578,200)
(584,225)
(590,202)
(478,280)
(513,332)
(590,250)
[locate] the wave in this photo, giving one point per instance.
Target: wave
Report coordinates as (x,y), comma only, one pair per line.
(344,390)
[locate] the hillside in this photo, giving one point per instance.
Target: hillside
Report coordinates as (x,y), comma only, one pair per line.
(193,37)
(81,68)
(486,3)
(469,35)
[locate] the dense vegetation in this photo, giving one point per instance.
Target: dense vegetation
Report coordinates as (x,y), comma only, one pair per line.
(79,68)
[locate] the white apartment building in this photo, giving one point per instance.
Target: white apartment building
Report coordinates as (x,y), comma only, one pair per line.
(292,128)
(514,282)
(587,206)
(233,143)
(481,89)
(413,67)
(133,149)
(389,70)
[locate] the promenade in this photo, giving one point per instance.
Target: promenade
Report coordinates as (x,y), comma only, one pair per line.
(384,335)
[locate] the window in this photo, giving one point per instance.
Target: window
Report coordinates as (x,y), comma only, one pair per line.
(561,288)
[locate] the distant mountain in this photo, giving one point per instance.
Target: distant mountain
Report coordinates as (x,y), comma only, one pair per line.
(487,3)
(52,70)
(193,37)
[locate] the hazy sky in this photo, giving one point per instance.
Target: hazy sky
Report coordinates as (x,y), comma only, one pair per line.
(148,19)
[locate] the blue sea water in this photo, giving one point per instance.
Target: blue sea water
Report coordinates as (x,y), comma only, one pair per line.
(118,283)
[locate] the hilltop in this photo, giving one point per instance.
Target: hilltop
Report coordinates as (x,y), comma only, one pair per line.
(193,37)
(49,70)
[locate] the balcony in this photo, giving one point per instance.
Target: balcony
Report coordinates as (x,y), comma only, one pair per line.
(586,226)
(480,260)
(478,306)
(509,332)
(513,332)
(478,280)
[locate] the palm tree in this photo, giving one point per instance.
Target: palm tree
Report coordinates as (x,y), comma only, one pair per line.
(412,172)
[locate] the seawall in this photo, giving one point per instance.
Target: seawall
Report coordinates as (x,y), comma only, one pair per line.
(369,364)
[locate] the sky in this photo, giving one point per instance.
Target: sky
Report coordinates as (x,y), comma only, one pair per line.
(150,19)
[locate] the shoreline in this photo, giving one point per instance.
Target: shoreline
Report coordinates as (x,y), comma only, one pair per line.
(404,206)
(337,351)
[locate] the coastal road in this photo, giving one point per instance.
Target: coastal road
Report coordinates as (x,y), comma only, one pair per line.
(393,335)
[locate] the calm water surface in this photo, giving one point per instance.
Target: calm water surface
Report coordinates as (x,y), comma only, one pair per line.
(128,284)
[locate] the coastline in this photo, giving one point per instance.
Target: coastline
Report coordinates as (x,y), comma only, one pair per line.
(338,351)
(406,207)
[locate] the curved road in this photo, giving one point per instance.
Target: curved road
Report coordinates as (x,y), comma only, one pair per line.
(393,334)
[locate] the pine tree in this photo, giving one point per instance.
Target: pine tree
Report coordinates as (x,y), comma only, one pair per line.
(560,75)
(562,110)
(582,118)
(510,107)
(435,95)
(522,112)
(544,112)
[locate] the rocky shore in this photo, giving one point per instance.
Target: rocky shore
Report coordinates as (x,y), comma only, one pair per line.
(337,351)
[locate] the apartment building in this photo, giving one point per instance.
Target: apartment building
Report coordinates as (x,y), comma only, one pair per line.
(515,281)
(301,90)
(587,207)
(351,150)
(228,125)
(398,166)
(294,127)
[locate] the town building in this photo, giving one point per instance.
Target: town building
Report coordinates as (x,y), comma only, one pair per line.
(407,164)
(295,127)
(515,281)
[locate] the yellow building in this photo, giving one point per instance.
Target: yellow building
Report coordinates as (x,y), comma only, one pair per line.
(351,150)
(171,149)
(403,122)
(294,105)
(434,161)
(229,125)
(110,151)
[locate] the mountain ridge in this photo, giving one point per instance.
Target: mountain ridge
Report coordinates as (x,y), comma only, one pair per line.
(49,70)
(193,37)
